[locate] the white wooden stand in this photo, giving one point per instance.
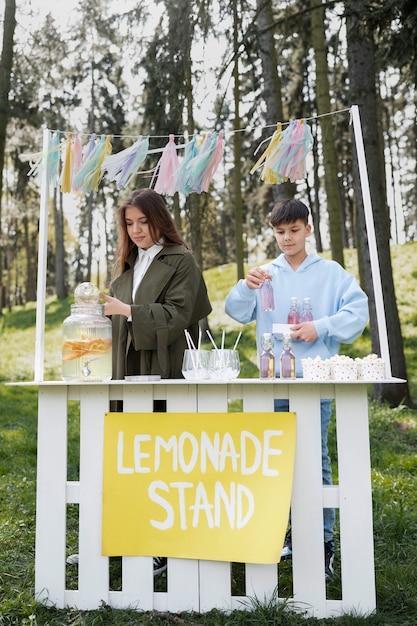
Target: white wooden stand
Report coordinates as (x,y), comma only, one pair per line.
(204,585)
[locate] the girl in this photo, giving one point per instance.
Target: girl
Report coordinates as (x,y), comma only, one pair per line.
(158,291)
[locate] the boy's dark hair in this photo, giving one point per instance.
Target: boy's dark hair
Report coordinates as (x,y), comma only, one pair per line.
(287,211)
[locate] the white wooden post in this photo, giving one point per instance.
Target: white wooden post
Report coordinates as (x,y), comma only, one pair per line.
(42,263)
(93,570)
(51,496)
(370,231)
(307,501)
(355,491)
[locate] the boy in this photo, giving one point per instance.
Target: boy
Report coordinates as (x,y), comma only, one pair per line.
(340,310)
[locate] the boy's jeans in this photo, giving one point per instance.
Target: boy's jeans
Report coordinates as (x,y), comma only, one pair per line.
(326,411)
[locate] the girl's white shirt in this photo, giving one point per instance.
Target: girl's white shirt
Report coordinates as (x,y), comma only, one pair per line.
(143,261)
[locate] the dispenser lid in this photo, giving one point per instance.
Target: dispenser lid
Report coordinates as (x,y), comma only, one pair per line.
(86,293)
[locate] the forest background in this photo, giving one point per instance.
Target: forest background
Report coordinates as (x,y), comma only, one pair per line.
(183,67)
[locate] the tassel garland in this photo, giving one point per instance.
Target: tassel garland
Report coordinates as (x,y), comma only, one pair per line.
(83,169)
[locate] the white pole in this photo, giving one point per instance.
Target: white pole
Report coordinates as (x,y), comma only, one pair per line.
(42,263)
(373,250)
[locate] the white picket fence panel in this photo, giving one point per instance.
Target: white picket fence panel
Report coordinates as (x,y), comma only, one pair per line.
(204,585)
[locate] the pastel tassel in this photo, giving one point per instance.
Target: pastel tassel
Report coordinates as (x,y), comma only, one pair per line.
(66,174)
(191,151)
(37,159)
(166,168)
(90,173)
(289,160)
(198,165)
(53,158)
(214,162)
(77,149)
(130,169)
(267,174)
(89,147)
(285,157)
(122,166)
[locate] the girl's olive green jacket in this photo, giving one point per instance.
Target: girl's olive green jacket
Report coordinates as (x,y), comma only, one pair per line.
(172,297)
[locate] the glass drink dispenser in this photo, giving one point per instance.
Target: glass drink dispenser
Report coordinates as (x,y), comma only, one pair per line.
(86,339)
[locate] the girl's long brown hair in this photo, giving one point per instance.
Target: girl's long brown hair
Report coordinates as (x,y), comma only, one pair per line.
(160,221)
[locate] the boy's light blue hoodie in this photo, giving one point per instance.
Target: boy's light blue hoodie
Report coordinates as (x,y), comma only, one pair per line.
(340,307)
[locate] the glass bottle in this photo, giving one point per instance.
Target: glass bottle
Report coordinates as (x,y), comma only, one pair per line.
(267,357)
(87,339)
(266,296)
(307,312)
(293,315)
(287,359)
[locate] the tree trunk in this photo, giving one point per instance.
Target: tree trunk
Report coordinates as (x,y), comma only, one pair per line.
(271,81)
(30,265)
(361,59)
(60,273)
(6,63)
(237,173)
(318,40)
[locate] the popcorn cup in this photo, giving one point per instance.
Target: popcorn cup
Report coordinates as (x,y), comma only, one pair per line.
(315,369)
(372,370)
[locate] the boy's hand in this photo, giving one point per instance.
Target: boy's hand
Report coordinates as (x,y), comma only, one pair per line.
(306,331)
(256,277)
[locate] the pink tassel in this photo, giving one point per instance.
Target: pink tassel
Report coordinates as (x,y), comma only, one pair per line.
(168,166)
(77,151)
(288,162)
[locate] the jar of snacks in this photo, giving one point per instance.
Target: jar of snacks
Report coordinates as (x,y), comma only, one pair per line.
(86,339)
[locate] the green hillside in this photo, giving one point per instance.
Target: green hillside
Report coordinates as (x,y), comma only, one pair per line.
(393,440)
(17,328)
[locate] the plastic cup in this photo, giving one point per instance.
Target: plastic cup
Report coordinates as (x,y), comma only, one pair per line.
(195,364)
(224,364)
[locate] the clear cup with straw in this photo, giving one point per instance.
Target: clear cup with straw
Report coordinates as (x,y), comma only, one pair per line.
(195,365)
(224,364)
(195,361)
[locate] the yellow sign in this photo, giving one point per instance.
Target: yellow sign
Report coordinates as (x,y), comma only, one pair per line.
(213,486)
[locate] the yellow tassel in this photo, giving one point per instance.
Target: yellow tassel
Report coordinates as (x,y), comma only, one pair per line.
(268,176)
(67,167)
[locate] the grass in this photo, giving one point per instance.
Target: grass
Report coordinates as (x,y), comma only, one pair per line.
(393,434)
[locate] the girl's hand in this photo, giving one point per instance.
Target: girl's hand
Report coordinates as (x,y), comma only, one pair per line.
(113,306)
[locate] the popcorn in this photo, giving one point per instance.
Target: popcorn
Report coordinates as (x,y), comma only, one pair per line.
(316,369)
(343,368)
(371,367)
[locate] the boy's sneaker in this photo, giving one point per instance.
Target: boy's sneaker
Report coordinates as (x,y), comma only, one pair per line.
(159,565)
(328,559)
(286,552)
(72,559)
